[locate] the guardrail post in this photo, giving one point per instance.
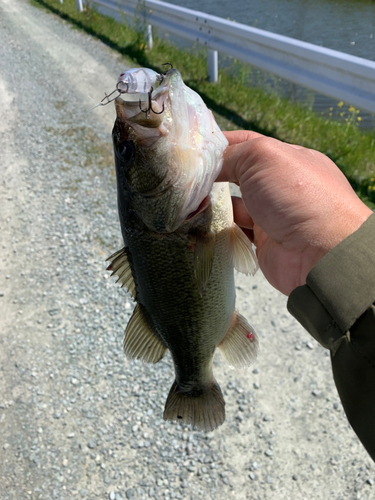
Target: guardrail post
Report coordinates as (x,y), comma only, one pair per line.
(79,5)
(149,36)
(212,65)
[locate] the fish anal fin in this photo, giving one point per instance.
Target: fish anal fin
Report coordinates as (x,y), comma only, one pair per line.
(204,409)
(120,267)
(240,345)
(203,258)
(140,342)
(244,258)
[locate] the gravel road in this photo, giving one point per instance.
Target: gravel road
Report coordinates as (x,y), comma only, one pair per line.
(78,419)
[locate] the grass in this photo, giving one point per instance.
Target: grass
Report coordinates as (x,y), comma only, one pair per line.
(234,103)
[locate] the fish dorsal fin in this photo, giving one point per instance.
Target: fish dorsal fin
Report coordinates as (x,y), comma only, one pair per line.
(239,347)
(203,258)
(140,342)
(244,258)
(120,267)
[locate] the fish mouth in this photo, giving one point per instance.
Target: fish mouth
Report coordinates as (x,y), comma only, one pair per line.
(202,206)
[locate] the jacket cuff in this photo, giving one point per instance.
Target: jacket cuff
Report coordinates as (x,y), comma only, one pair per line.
(339,288)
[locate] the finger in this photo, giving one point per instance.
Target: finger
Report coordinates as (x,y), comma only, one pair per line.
(228,171)
(241,215)
(237,136)
(259,237)
(249,233)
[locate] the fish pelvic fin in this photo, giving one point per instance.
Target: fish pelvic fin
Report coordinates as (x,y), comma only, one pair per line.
(120,267)
(244,258)
(203,408)
(140,341)
(203,259)
(240,345)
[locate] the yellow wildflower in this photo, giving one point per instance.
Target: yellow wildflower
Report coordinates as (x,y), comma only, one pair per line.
(340,104)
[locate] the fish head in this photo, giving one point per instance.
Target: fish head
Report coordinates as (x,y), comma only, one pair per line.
(168,152)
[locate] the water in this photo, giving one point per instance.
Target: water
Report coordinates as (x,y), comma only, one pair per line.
(344,25)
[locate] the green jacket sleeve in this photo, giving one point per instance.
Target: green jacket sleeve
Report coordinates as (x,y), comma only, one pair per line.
(337,307)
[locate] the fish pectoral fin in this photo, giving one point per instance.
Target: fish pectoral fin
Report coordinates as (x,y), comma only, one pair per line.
(140,341)
(203,258)
(240,345)
(203,408)
(120,267)
(244,258)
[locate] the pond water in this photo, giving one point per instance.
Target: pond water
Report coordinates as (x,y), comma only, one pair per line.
(344,25)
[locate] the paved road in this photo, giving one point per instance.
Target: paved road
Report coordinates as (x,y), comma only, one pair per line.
(77,419)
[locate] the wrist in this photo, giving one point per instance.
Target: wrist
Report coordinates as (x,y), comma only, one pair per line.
(340,230)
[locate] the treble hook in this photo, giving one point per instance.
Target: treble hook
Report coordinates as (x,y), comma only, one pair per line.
(171,67)
(147,111)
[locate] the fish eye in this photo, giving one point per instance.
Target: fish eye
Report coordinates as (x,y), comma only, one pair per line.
(126,151)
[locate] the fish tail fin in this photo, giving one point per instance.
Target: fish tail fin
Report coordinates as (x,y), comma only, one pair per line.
(203,408)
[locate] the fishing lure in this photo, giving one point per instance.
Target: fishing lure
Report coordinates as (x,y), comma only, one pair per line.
(134,81)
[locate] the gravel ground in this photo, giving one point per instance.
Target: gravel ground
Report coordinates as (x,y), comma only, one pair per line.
(78,419)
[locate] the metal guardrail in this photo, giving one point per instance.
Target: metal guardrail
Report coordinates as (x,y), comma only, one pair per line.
(330,72)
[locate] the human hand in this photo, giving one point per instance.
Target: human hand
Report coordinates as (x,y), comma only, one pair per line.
(296,204)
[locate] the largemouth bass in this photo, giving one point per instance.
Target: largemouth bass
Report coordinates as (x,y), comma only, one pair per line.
(181,246)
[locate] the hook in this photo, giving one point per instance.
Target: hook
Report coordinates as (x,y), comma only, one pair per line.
(165,64)
(107,96)
(117,89)
(147,111)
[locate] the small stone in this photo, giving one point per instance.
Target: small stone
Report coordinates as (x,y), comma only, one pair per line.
(6,446)
(129,493)
(53,312)
(269,480)
(112,495)
(370,481)
(315,393)
(294,477)
(91,445)
(1,293)
(269,453)
(256,385)
(309,345)
(252,476)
